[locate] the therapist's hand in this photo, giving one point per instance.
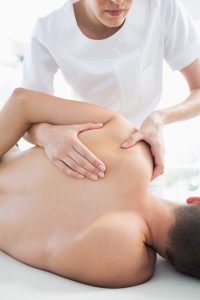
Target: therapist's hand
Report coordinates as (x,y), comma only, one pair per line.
(66,151)
(151,132)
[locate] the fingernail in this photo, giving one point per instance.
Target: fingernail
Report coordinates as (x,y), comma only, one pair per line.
(101,174)
(94,177)
(125,144)
(102,167)
(80,176)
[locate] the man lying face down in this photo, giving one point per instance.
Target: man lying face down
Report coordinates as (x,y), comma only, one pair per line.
(105,232)
(183,249)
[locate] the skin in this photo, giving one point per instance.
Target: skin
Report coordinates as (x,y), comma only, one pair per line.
(61,143)
(151,130)
(104,233)
(94,21)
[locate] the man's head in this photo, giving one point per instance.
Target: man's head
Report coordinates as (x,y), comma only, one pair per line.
(183,249)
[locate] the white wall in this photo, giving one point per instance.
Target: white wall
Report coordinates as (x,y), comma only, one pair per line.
(17,17)
(193,7)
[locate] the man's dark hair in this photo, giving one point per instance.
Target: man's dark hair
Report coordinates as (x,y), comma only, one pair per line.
(183,249)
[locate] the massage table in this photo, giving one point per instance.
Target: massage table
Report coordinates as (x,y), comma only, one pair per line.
(19,281)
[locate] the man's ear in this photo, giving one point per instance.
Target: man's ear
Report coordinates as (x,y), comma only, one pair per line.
(193,200)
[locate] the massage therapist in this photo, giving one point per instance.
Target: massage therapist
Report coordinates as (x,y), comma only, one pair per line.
(111,54)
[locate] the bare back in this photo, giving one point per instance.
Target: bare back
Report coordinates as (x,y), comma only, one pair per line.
(68,226)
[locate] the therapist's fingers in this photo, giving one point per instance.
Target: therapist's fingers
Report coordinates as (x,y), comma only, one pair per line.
(66,151)
(157,172)
(87,155)
(64,168)
(83,166)
(84,157)
(88,126)
(157,151)
(71,168)
(132,140)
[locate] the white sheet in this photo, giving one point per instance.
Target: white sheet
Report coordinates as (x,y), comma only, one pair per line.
(19,281)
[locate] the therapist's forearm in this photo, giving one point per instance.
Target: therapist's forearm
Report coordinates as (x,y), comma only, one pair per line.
(187,109)
(36,134)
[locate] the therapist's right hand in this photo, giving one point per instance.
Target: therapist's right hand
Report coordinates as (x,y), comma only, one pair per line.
(66,151)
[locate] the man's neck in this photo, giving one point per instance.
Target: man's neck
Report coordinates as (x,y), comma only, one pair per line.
(159,217)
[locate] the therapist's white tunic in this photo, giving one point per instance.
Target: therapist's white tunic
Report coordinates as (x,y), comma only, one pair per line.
(122,72)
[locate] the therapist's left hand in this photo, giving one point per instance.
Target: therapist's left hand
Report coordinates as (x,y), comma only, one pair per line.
(151,132)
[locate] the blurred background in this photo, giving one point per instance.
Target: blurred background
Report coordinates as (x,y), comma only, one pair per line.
(182,140)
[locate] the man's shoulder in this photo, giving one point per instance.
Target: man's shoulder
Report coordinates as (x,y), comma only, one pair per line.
(121,256)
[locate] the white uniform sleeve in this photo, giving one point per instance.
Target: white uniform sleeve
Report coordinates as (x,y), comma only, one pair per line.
(182,42)
(39,67)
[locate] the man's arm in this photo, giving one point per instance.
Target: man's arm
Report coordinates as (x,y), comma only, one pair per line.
(120,257)
(25,108)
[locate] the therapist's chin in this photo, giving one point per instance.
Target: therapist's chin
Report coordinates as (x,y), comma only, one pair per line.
(113,21)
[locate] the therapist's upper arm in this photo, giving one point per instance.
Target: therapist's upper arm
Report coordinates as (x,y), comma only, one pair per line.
(192,74)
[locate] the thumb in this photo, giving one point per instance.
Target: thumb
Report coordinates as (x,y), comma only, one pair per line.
(88,126)
(132,140)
